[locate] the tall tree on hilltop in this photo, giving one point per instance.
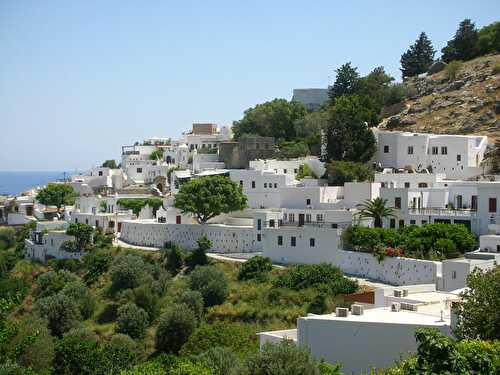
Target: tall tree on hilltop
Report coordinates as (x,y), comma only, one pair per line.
(463,46)
(348,136)
(418,58)
(346,82)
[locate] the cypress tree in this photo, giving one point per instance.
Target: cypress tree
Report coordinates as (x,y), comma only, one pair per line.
(418,58)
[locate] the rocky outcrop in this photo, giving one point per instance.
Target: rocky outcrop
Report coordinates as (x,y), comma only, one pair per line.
(470,104)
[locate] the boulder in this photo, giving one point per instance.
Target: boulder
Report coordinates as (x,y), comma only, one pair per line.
(436,67)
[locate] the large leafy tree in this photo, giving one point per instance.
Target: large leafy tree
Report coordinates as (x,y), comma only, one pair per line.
(110,163)
(310,129)
(83,234)
(345,83)
(463,46)
(339,172)
(348,136)
(488,38)
(477,313)
(418,58)
(58,195)
(376,209)
(271,119)
(207,197)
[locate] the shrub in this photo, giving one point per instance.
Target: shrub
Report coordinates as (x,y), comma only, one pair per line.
(318,304)
(96,263)
(452,69)
(120,353)
(360,238)
(305,171)
(52,282)
(211,283)
(108,314)
(255,268)
(339,172)
(137,204)
(175,260)
(127,272)
(7,238)
(192,299)
(132,320)
(60,312)
(317,276)
(147,300)
(84,299)
(199,257)
(221,361)
(283,358)
(174,329)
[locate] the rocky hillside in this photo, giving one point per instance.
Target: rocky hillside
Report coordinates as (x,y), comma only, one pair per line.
(469,104)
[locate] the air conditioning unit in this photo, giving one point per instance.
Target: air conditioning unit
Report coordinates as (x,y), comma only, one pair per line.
(395,307)
(341,312)
(357,309)
(405,292)
(398,293)
(409,306)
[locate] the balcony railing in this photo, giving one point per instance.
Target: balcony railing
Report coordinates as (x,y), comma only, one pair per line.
(297,224)
(443,212)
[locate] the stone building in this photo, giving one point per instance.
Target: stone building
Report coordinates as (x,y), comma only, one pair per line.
(238,154)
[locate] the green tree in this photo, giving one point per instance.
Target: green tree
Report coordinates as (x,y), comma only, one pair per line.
(120,353)
(84,299)
(463,46)
(257,268)
(488,39)
(174,259)
(174,329)
(96,263)
(377,210)
(147,299)
(50,283)
(305,171)
(211,283)
(208,197)
(221,361)
(60,312)
(199,256)
(291,150)
(132,320)
(477,313)
(58,195)
(82,233)
(283,358)
(127,272)
(346,82)
(339,172)
(418,58)
(110,164)
(271,119)
(156,154)
(319,304)
(310,129)
(192,299)
(348,136)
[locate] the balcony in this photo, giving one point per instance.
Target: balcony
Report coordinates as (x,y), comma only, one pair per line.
(443,212)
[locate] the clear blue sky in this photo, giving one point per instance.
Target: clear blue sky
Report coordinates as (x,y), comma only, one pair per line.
(78,79)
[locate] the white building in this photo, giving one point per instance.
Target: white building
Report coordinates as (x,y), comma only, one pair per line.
(457,156)
(289,166)
(374,335)
(97,178)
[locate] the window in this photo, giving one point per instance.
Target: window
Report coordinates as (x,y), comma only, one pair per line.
(241,183)
(275,185)
(52,242)
(284,171)
(410,150)
(259,224)
(100,173)
(293,241)
(139,170)
(407,185)
(492,205)
(295,171)
(386,149)
(473,203)
(97,223)
(453,274)
(422,184)
(308,201)
(435,150)
(413,222)
(444,150)
(498,248)
(291,218)
(271,223)
(76,220)
(312,242)
(424,222)
(259,237)
(459,157)
(284,217)
(265,185)
(319,217)
(392,223)
(87,221)
(253,184)
(280,240)
(111,224)
(397,202)
(401,223)
(308,218)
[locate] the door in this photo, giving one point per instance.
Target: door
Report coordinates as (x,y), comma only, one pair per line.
(178,219)
(492,203)
(301,220)
(473,204)
(459,201)
(119,227)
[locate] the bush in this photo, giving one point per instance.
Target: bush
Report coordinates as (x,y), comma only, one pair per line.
(127,272)
(175,260)
(7,238)
(108,314)
(52,282)
(291,150)
(137,204)
(199,257)
(305,171)
(192,299)
(339,172)
(96,263)
(238,337)
(319,276)
(84,299)
(452,69)
(174,329)
(60,312)
(146,299)
(255,268)
(283,358)
(132,321)
(211,283)
(318,305)
(120,353)
(221,361)
(360,238)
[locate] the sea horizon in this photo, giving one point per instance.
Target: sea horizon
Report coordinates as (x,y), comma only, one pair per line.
(15,182)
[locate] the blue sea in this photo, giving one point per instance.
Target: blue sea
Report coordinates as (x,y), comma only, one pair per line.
(13,182)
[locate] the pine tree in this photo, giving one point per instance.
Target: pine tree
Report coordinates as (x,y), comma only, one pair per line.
(346,82)
(418,58)
(463,46)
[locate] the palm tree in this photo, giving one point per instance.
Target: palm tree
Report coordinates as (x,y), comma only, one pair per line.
(375,209)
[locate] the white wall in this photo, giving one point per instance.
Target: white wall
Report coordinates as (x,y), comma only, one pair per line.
(490,243)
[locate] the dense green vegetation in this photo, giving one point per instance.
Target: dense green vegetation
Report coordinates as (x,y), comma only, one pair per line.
(430,241)
(339,172)
(120,311)
(58,195)
(418,58)
(110,163)
(137,204)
